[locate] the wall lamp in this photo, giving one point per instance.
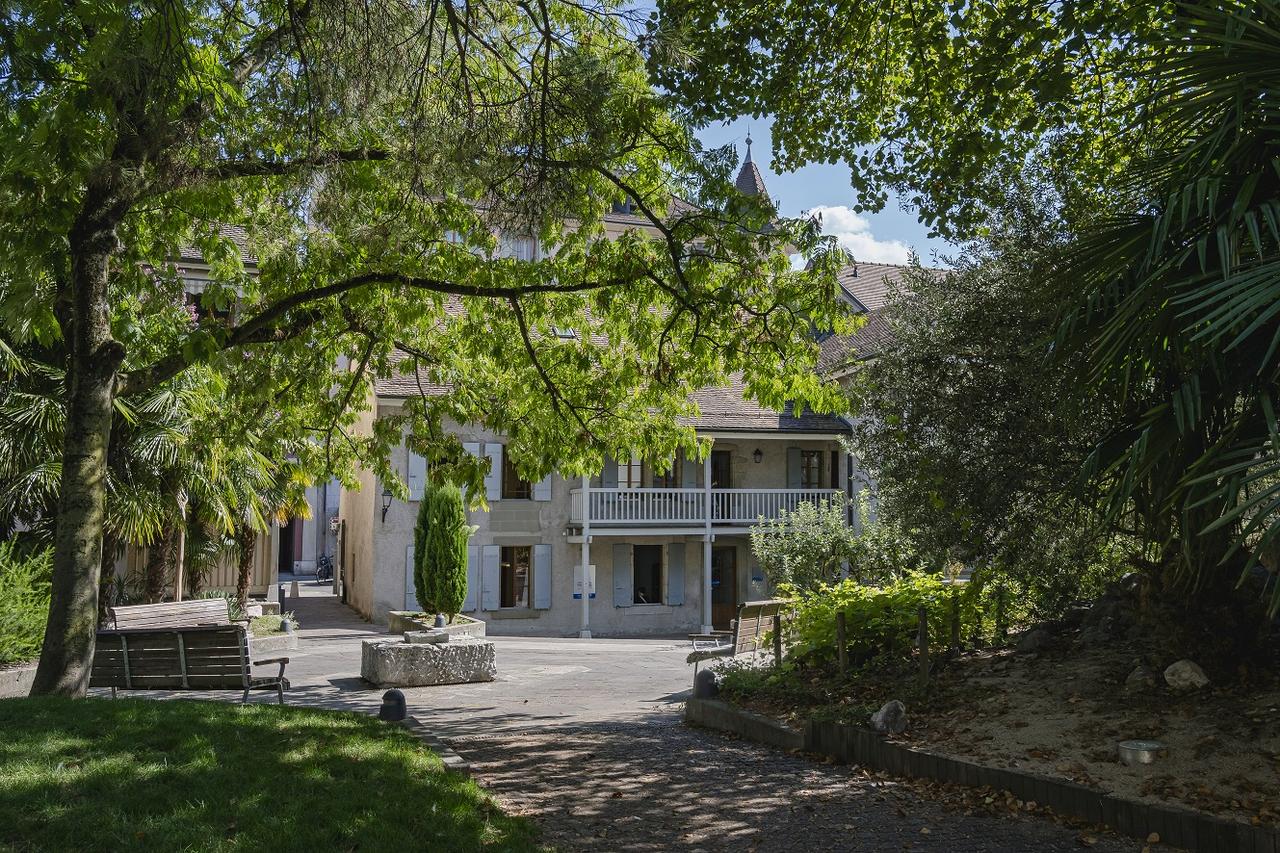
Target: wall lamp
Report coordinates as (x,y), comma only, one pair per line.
(386,503)
(757,456)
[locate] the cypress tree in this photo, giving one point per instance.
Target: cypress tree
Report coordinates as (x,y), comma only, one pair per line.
(440,550)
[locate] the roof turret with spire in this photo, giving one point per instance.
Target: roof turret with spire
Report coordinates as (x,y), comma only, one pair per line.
(749,181)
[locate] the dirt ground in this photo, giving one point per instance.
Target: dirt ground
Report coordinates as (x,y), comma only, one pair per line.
(1062,712)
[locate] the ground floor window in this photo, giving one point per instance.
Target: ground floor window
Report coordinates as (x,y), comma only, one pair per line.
(514,584)
(646,578)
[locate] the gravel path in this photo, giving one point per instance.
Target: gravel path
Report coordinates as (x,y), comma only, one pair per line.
(658,787)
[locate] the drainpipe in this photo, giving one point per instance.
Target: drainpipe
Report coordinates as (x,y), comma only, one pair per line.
(706,544)
(584,632)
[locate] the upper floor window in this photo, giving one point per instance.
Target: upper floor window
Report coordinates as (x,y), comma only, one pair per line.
(671,479)
(811,469)
(520,248)
(514,487)
(629,473)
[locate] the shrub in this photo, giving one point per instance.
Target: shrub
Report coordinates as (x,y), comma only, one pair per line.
(440,550)
(805,547)
(233,604)
(24,602)
(881,622)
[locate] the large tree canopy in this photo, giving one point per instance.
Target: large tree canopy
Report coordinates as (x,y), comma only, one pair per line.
(376,155)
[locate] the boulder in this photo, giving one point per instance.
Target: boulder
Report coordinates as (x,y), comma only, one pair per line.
(891,718)
(1143,679)
(1034,641)
(392,663)
(1185,675)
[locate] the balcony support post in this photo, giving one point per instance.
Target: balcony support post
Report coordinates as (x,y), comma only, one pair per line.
(584,629)
(706,544)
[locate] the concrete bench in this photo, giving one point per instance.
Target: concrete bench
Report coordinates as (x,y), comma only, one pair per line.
(173,614)
(181,658)
(754,619)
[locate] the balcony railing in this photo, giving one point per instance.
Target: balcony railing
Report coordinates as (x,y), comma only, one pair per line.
(687,507)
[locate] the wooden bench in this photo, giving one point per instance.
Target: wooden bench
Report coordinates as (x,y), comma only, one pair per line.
(181,658)
(173,614)
(755,618)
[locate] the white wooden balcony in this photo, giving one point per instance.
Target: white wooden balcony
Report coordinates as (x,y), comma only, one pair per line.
(686,507)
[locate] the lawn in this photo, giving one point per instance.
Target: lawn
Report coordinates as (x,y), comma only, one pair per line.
(136,774)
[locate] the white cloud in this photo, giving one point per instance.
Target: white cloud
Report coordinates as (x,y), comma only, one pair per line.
(854,233)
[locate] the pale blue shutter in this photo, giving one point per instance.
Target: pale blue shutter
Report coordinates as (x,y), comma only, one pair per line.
(410,588)
(493,480)
(609,476)
(473,578)
(541,577)
(622,576)
(675,574)
(490,577)
(416,477)
(542,489)
(795,473)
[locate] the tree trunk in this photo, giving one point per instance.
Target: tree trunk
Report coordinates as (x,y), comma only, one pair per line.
(161,557)
(247,539)
(83,313)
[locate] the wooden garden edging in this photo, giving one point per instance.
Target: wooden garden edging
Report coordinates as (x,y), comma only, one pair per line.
(856,745)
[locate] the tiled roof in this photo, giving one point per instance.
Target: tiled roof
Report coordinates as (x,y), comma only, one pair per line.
(235,233)
(723,409)
(838,351)
(868,283)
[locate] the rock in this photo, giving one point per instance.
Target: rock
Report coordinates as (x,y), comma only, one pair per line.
(1143,679)
(434,637)
(706,685)
(1185,675)
(1034,641)
(391,663)
(891,718)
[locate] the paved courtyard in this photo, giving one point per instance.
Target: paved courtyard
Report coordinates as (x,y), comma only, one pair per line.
(586,738)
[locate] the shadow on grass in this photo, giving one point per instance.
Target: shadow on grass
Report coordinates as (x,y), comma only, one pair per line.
(181,775)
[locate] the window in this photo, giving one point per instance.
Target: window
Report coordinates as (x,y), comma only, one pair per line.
(811,469)
(514,583)
(513,487)
(520,248)
(671,479)
(646,577)
(629,474)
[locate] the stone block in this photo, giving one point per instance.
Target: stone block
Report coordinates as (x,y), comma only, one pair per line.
(435,637)
(392,663)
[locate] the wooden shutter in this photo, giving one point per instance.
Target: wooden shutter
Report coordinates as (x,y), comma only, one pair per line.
(542,489)
(490,577)
(493,480)
(795,468)
(622,577)
(416,476)
(471,448)
(609,476)
(410,588)
(541,577)
(473,578)
(675,574)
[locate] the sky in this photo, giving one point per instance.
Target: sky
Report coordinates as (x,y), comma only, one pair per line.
(884,237)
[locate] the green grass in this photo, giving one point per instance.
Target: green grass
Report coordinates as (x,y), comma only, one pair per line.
(136,774)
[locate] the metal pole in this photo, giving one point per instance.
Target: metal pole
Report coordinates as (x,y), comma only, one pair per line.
(706,544)
(584,631)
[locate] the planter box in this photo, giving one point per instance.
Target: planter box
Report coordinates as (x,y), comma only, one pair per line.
(260,646)
(16,681)
(400,621)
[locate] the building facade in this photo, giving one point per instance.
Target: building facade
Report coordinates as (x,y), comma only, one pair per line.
(664,553)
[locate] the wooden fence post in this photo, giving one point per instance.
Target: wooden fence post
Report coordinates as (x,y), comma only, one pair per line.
(1001,628)
(922,641)
(955,621)
(842,642)
(777,640)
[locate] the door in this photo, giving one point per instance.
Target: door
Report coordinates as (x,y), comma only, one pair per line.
(724,586)
(721,478)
